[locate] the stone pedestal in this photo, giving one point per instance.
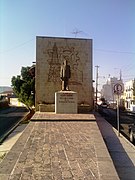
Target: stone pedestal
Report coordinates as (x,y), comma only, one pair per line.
(66,102)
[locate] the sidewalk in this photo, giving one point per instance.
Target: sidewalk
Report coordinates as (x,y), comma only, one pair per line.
(121,150)
(66,147)
(11,140)
(63,150)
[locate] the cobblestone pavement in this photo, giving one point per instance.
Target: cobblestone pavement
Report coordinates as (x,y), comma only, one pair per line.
(59,151)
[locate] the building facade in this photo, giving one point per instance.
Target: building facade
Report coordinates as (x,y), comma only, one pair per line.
(108,89)
(128,94)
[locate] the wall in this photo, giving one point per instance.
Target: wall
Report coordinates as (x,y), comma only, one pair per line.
(50,54)
(15,102)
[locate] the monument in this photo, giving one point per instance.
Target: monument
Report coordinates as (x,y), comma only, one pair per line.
(65,74)
(51,52)
(65,100)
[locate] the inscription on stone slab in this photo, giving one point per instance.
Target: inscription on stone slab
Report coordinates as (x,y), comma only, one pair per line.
(66,98)
(66,102)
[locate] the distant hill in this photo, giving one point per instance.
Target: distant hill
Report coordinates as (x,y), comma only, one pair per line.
(5,88)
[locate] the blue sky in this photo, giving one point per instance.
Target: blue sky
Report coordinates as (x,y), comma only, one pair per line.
(110,23)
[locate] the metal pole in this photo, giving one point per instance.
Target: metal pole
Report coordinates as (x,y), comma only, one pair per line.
(118,119)
(96,82)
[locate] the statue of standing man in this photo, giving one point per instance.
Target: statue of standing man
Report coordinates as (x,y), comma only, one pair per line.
(65,74)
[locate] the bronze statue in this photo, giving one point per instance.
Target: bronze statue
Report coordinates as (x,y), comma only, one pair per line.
(65,74)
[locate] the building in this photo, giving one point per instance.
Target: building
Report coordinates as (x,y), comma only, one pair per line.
(5,88)
(50,54)
(108,89)
(128,94)
(11,98)
(4,96)
(15,102)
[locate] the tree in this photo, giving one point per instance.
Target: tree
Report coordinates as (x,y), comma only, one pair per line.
(24,87)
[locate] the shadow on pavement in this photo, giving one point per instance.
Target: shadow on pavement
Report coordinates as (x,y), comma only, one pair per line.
(122,162)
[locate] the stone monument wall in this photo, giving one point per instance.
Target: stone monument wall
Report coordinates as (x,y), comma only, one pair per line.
(50,54)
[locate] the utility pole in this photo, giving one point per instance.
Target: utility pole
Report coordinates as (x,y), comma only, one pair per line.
(120,75)
(97,76)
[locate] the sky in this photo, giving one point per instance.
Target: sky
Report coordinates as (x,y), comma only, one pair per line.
(110,23)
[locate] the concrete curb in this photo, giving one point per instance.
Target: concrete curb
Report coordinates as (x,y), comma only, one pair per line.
(12,129)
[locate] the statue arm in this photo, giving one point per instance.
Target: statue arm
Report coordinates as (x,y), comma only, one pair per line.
(61,72)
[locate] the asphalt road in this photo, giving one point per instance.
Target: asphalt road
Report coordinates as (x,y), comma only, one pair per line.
(126,119)
(9,117)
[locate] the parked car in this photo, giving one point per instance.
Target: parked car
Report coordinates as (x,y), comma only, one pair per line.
(132,133)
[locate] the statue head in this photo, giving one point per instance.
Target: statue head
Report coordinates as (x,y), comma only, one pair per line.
(65,62)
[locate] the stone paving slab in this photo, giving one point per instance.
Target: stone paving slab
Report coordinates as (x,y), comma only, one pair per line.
(48,116)
(59,150)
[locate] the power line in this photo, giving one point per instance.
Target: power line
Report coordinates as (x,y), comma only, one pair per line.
(127,66)
(75,32)
(18,46)
(129,76)
(128,71)
(113,51)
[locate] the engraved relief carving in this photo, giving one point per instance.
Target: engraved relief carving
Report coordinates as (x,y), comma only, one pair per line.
(56,56)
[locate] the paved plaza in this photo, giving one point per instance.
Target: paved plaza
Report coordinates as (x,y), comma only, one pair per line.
(59,150)
(65,149)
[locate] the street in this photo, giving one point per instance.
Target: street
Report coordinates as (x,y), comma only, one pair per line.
(126,119)
(9,117)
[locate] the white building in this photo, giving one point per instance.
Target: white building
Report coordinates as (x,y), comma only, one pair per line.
(15,102)
(106,92)
(128,93)
(108,89)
